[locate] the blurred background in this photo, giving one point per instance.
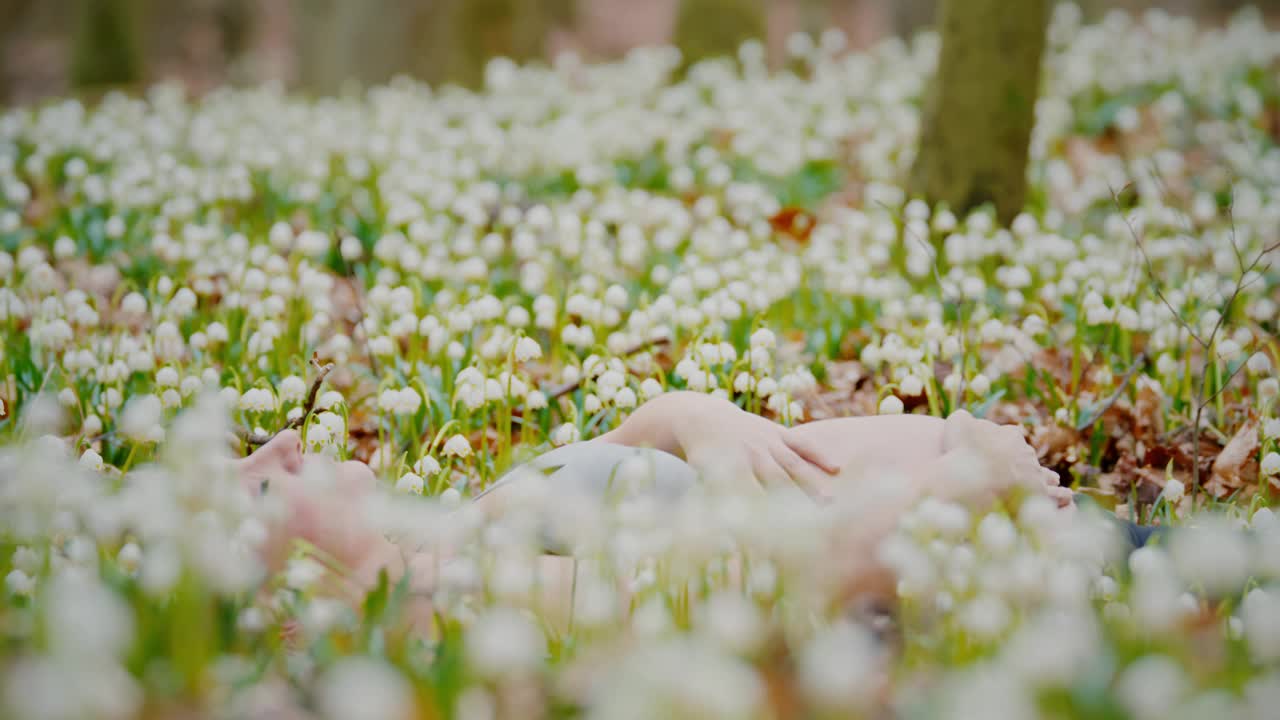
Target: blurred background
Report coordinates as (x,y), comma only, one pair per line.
(55,47)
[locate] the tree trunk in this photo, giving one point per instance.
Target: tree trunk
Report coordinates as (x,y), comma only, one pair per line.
(912,16)
(712,28)
(107,51)
(981,107)
(345,41)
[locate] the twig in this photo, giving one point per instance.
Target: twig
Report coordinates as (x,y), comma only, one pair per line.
(1206,345)
(255,439)
(1115,396)
(567,388)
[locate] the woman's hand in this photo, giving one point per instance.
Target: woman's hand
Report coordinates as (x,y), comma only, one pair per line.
(1008,461)
(727,444)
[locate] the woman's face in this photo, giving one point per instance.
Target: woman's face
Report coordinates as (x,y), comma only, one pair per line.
(323,500)
(281,462)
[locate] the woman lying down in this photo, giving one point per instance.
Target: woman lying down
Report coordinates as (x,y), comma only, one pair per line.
(684,443)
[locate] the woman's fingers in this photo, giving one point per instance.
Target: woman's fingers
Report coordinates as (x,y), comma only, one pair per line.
(1063,496)
(802,473)
(767,470)
(810,451)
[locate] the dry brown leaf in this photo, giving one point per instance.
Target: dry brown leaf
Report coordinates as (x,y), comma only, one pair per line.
(1148,411)
(1055,444)
(1230,468)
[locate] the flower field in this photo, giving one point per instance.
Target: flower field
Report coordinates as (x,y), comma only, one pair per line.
(442,283)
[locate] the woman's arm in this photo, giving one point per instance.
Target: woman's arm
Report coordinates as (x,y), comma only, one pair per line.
(720,439)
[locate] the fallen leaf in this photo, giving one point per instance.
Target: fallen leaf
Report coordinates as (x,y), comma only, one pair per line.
(1229,471)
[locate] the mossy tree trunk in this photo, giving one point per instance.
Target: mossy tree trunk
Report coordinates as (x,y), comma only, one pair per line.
(365,42)
(369,41)
(476,31)
(712,28)
(107,51)
(12,17)
(981,107)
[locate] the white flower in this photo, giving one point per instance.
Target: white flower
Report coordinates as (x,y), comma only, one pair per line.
(129,557)
(650,388)
(1271,428)
(1173,491)
(911,386)
(19,583)
(457,446)
(625,398)
(318,435)
(140,416)
(763,339)
(167,377)
(328,400)
(980,385)
(527,349)
(839,668)
(1152,687)
(410,483)
(333,422)
(426,466)
(1271,464)
(404,401)
(1259,363)
(451,498)
(257,400)
(535,400)
(1212,554)
(364,688)
(891,405)
(1260,613)
(292,389)
(565,434)
(502,643)
(92,460)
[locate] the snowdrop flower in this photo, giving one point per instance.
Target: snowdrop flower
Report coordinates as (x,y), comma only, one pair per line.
(1173,491)
(329,400)
(457,446)
(1212,554)
(526,349)
(650,388)
(410,483)
(426,466)
(911,386)
(502,643)
(1152,687)
(141,416)
(1271,464)
(1259,363)
(404,401)
(891,405)
(92,460)
(763,339)
(292,389)
(363,688)
(19,583)
(1271,428)
(564,435)
(840,667)
(625,398)
(980,385)
(257,400)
